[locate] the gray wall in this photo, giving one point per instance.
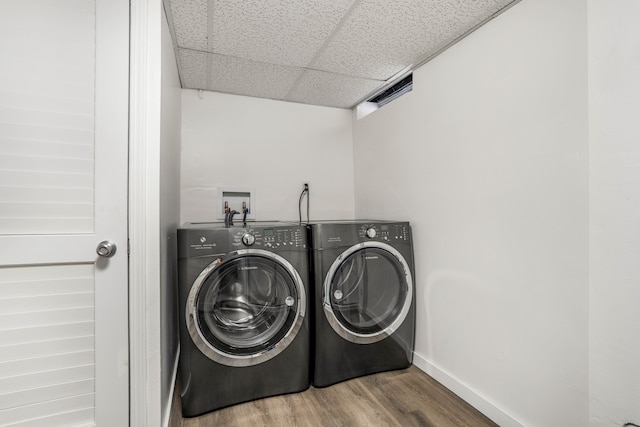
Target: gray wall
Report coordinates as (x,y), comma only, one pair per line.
(488,159)
(614,193)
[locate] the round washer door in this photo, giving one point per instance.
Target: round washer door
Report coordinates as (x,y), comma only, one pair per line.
(246,307)
(367,292)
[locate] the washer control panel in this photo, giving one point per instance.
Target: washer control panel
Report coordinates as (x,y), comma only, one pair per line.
(270,238)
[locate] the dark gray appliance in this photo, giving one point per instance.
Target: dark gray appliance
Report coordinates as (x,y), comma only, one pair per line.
(244,328)
(364,304)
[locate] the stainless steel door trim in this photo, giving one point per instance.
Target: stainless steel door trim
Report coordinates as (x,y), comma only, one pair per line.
(331,317)
(215,354)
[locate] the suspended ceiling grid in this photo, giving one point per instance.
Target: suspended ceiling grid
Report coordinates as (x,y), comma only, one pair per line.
(333,53)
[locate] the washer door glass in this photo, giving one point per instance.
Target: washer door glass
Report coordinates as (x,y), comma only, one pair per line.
(368,293)
(246,306)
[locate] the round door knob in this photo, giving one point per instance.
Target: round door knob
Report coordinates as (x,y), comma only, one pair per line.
(248,239)
(106,249)
(371,232)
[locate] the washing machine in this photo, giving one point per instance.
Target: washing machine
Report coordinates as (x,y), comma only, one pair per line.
(244,328)
(364,299)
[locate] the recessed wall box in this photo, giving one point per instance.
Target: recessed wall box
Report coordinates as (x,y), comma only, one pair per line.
(236,199)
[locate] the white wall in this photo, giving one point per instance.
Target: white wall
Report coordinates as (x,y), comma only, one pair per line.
(614,97)
(273,147)
(488,158)
(169,219)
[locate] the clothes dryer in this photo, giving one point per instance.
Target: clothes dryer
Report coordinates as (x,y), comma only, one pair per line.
(364,304)
(244,328)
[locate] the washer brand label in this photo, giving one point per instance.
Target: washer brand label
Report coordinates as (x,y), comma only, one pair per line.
(248,268)
(371,257)
(203,246)
(335,239)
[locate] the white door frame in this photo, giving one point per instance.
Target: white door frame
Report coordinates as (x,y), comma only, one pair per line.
(144,215)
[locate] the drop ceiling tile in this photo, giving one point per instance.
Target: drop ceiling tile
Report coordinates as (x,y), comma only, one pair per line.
(382,37)
(331,90)
(281,32)
(190,23)
(330,52)
(244,77)
(193,69)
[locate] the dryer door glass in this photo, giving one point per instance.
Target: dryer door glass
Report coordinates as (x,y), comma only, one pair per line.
(247,305)
(369,291)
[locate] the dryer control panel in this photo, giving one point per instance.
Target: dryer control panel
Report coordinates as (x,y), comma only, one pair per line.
(269,238)
(385,232)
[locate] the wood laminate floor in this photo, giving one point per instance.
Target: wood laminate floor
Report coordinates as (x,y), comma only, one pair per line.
(398,398)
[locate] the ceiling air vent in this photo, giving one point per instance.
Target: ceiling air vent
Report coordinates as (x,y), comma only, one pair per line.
(396,90)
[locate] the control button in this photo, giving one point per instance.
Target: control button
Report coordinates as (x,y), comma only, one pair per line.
(248,239)
(371,232)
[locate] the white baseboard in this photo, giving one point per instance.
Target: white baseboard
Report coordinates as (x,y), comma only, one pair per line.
(166,417)
(466,393)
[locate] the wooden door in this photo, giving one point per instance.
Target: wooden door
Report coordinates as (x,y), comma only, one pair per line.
(63,190)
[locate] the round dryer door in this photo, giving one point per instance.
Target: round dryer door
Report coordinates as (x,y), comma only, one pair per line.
(246,308)
(367,292)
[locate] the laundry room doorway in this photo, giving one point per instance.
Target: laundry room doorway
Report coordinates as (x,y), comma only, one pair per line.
(63,213)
